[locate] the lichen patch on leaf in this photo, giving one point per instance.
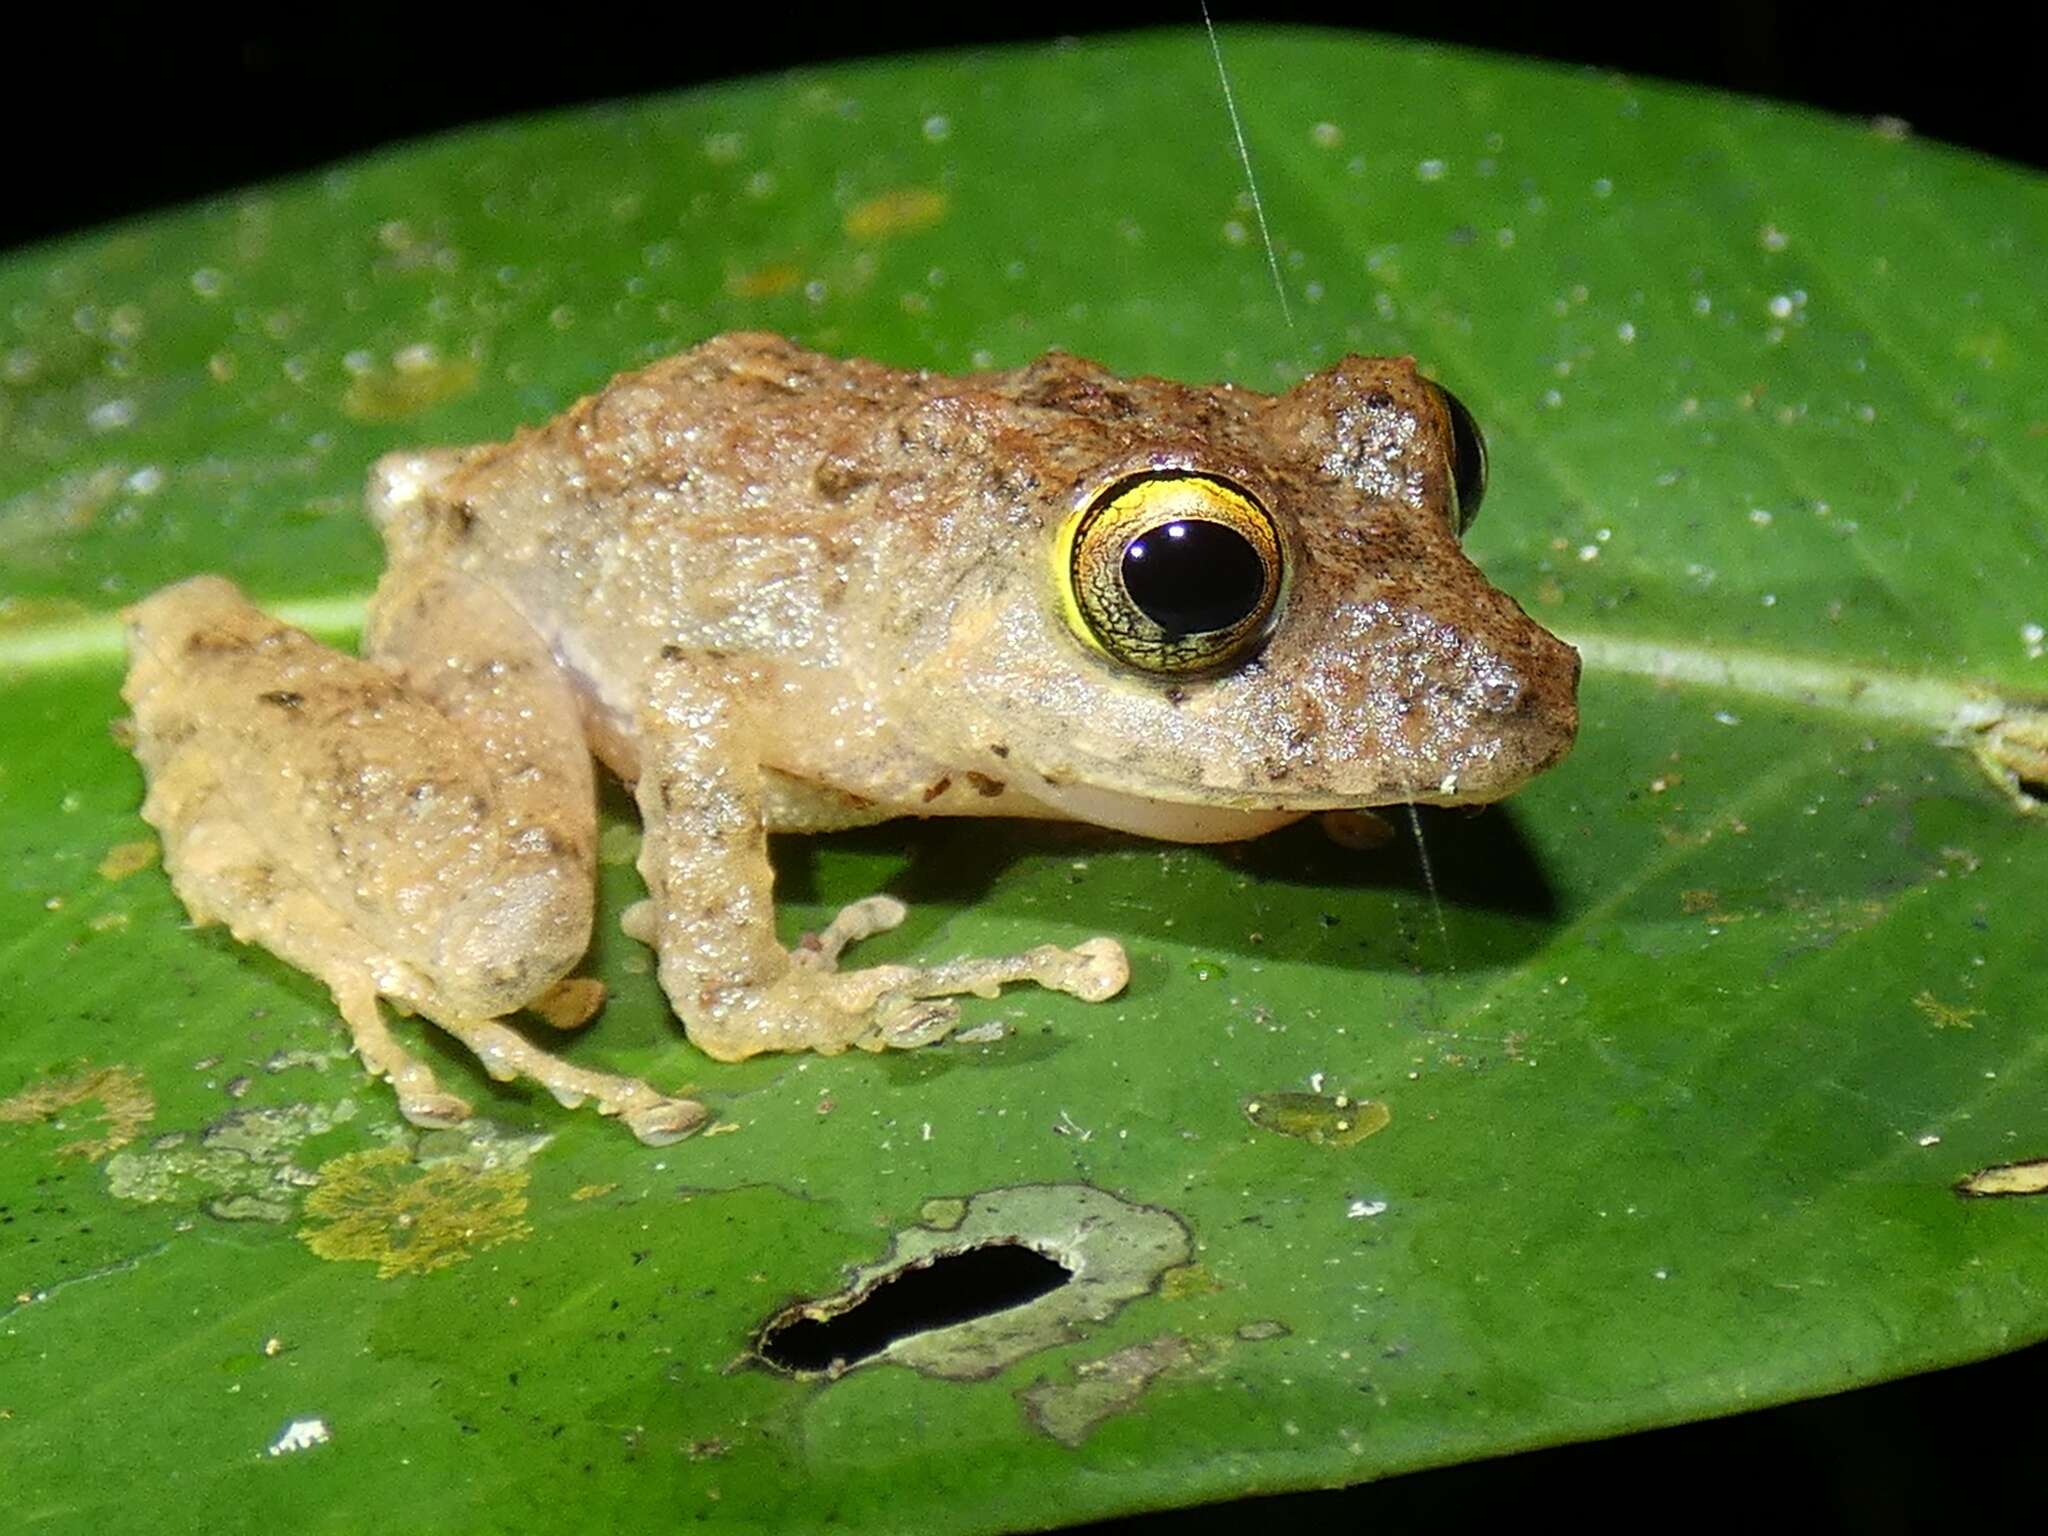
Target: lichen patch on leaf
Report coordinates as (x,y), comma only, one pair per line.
(1070,1410)
(381,1207)
(1945,1015)
(126,1106)
(239,1168)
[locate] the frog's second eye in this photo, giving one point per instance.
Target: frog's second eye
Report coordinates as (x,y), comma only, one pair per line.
(1468,459)
(1174,572)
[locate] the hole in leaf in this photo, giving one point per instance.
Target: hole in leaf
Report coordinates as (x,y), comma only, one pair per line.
(949,1289)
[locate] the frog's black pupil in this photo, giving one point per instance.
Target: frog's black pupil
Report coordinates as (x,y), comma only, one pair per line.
(1468,459)
(1193,577)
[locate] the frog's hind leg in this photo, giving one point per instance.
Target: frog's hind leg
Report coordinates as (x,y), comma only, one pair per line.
(419,826)
(711,914)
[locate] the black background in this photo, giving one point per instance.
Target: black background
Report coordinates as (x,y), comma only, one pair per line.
(134,117)
(132,120)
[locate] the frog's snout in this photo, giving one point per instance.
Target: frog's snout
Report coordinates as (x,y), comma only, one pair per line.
(1546,711)
(1524,714)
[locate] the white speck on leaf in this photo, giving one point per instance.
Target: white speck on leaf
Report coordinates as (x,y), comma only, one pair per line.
(112,416)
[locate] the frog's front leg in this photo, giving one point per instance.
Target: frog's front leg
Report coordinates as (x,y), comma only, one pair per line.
(711,915)
(418,826)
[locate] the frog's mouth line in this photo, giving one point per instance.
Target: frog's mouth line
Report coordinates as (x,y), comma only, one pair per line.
(1168,816)
(1185,821)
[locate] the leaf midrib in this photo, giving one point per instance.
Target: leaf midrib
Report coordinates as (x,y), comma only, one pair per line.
(1941,703)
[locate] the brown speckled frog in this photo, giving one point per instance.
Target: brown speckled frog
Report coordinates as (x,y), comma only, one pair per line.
(779,591)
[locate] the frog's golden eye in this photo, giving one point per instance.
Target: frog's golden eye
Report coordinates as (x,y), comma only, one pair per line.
(1173,572)
(1468,460)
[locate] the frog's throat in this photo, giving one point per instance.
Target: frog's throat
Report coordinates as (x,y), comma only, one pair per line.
(1160,819)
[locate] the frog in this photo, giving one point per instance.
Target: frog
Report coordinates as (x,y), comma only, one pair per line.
(776,591)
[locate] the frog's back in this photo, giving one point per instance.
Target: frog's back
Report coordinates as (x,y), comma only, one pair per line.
(750,498)
(744,498)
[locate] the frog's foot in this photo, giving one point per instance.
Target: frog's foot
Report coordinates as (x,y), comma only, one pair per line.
(909,1006)
(417,827)
(710,912)
(420,1099)
(813,1007)
(1092,971)
(649,1114)
(2013,752)
(916,1011)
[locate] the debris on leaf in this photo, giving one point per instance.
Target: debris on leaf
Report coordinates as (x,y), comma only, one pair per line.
(301,1435)
(2001,1179)
(1337,1121)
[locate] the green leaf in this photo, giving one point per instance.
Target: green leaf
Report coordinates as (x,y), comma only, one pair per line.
(1678,1078)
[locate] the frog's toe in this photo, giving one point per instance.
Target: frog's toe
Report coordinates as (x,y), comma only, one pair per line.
(433,1111)
(1094,971)
(671,1120)
(916,1021)
(856,921)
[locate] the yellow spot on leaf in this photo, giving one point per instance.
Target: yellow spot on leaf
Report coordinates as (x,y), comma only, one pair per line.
(1991,350)
(24,612)
(619,844)
(126,1106)
(125,859)
(1698,901)
(1945,1015)
(571,1002)
(409,1218)
(764,282)
(901,211)
(396,392)
(1185,1280)
(592,1191)
(943,1212)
